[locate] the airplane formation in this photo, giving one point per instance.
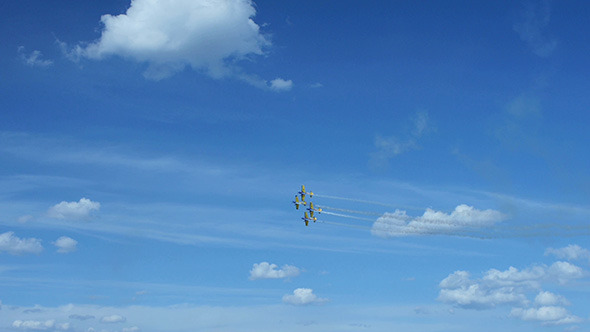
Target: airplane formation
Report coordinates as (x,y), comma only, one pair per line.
(308,215)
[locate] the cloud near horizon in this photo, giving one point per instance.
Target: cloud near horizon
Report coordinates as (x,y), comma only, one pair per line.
(513,287)
(112,319)
(206,35)
(33,325)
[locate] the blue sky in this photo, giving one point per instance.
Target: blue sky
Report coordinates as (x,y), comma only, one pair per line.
(150,152)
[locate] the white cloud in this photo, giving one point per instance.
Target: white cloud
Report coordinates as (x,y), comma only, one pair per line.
(506,287)
(130,329)
(302,296)
(548,315)
(73,210)
(113,319)
(564,271)
(65,244)
(464,217)
(207,35)
(16,246)
(279,84)
(550,299)
(534,20)
(514,287)
(460,290)
(265,270)
(571,252)
(33,325)
(33,59)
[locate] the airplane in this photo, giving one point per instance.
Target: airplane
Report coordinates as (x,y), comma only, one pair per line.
(303,193)
(297,202)
(307,219)
(311,209)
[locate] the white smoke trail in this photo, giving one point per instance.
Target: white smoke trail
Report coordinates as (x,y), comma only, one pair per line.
(368,213)
(347,216)
(368,202)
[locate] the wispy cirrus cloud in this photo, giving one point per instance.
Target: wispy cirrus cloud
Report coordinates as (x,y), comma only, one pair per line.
(207,36)
(532,25)
(33,59)
(389,147)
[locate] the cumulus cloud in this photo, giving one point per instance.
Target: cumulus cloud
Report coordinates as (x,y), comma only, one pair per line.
(548,315)
(515,287)
(550,299)
(531,28)
(564,271)
(506,287)
(33,325)
(207,35)
(113,319)
(14,245)
(302,296)
(463,218)
(265,270)
(73,210)
(65,244)
(33,59)
(571,252)
(460,290)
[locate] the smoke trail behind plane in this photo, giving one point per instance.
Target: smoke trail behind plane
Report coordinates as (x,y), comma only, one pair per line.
(347,216)
(463,221)
(368,202)
(367,213)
